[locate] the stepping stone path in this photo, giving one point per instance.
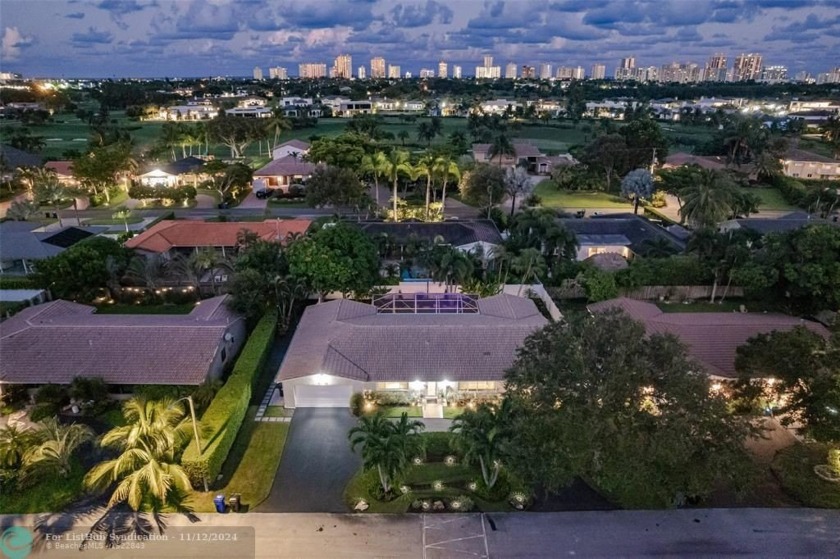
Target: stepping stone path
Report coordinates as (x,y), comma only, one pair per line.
(270,400)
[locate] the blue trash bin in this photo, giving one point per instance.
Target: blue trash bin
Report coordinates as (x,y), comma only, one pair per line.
(219,501)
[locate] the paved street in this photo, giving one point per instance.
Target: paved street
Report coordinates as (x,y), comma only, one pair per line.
(761,533)
(317,463)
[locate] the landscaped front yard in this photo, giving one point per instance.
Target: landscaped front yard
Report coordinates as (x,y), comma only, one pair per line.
(771,198)
(794,468)
(552,197)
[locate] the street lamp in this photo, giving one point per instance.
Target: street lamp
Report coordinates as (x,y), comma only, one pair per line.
(195,434)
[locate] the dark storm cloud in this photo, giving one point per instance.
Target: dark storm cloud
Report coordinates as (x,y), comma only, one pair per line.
(75,15)
(357,14)
(92,36)
(418,15)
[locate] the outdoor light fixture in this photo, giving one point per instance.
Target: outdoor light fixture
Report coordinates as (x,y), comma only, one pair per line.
(417,385)
(321,379)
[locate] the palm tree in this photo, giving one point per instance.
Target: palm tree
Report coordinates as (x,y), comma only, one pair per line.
(426,166)
(146,471)
(831,134)
(482,436)
(708,200)
(123,214)
(397,163)
(767,166)
(49,191)
(14,442)
(528,264)
(147,270)
(277,123)
(445,167)
(500,146)
(208,260)
(386,446)
(403,135)
(376,165)
(54,447)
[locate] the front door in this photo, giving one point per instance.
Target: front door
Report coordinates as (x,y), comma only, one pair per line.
(431,390)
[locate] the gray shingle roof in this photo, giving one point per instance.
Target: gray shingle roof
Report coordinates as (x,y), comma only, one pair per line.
(350,340)
(22,240)
(455,233)
(57,341)
(636,229)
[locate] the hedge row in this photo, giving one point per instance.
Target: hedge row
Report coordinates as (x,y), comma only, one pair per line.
(179,194)
(224,416)
(7,282)
(793,191)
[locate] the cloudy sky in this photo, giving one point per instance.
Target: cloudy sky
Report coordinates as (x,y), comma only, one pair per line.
(142,38)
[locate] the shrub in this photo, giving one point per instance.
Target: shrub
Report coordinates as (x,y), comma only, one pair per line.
(676,270)
(391,398)
(91,393)
(226,412)
(160,391)
(357,403)
(598,284)
(140,192)
(438,445)
(43,411)
(461,503)
(15,396)
(52,394)
(16,283)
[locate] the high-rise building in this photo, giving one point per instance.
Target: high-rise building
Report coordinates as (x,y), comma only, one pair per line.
(488,60)
(278,73)
(578,73)
(527,72)
(715,70)
(510,71)
(377,68)
(679,73)
(427,73)
(803,77)
(488,71)
(747,67)
(456,71)
(829,77)
(258,75)
(312,70)
(443,70)
(343,66)
(545,71)
(598,72)
(626,69)
(361,72)
(393,72)
(565,72)
(774,74)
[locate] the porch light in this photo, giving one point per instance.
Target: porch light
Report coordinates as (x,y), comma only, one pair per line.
(716,387)
(444,384)
(417,385)
(771,381)
(322,379)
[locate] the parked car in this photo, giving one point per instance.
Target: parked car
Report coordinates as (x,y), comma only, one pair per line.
(262,194)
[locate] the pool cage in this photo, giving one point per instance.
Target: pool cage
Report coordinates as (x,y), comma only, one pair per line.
(426,303)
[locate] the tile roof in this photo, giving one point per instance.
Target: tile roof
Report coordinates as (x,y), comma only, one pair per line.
(789,222)
(295,143)
(636,229)
(61,168)
(794,154)
(522,149)
(22,240)
(57,341)
(455,233)
(286,167)
(351,340)
(711,338)
(15,158)
(678,159)
(169,234)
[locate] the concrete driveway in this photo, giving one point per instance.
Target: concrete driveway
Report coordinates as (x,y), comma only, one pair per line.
(317,463)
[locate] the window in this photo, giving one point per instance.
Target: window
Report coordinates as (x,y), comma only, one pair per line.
(477,385)
(392,386)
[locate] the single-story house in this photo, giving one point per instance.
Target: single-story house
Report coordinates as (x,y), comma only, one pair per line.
(802,164)
(280,173)
(421,345)
(765,225)
(711,338)
(13,158)
(466,236)
(294,148)
(58,341)
(193,110)
(170,237)
(186,171)
(624,234)
(22,243)
(680,159)
(63,171)
(525,154)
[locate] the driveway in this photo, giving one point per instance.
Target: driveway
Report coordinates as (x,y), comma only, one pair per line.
(317,463)
(251,202)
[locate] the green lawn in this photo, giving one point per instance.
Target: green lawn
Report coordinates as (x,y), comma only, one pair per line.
(552,197)
(277,411)
(816,146)
(771,198)
(50,494)
(145,309)
(251,465)
(397,411)
(130,220)
(554,138)
(794,468)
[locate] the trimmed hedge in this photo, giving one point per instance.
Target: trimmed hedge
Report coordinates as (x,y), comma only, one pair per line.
(224,416)
(176,194)
(16,283)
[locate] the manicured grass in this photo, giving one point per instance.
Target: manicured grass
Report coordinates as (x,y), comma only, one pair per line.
(145,309)
(207,192)
(553,138)
(251,465)
(728,305)
(397,411)
(451,412)
(437,471)
(771,198)
(816,146)
(552,197)
(131,219)
(50,494)
(794,468)
(277,411)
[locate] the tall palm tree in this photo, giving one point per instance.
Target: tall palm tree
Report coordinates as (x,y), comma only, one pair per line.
(482,436)
(528,264)
(123,214)
(375,165)
(54,447)
(831,134)
(426,167)
(208,260)
(148,270)
(500,147)
(445,167)
(397,164)
(385,446)
(14,442)
(277,123)
(49,191)
(708,200)
(146,471)
(767,166)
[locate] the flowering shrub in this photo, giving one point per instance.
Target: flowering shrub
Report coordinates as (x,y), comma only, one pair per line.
(461,503)
(437,485)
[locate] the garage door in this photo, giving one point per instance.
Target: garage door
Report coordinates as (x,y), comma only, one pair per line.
(331,396)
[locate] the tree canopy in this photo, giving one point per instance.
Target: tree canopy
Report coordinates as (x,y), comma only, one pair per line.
(334,186)
(483,186)
(83,270)
(597,398)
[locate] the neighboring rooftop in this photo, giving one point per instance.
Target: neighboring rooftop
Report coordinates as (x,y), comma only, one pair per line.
(57,341)
(185,166)
(765,225)
(455,233)
(352,340)
(680,158)
(295,143)
(521,149)
(14,157)
(285,167)
(61,168)
(23,240)
(170,234)
(794,154)
(628,230)
(711,338)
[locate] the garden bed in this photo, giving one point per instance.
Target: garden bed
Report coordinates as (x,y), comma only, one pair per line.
(794,468)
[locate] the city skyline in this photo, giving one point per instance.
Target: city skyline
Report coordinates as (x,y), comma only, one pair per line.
(139,38)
